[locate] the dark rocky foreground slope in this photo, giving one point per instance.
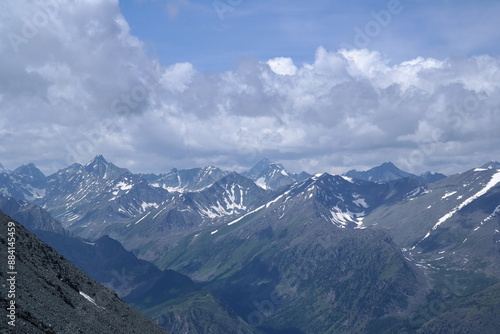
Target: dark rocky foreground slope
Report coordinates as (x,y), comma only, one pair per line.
(53,296)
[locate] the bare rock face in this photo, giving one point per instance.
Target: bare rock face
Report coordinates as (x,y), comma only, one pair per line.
(48,294)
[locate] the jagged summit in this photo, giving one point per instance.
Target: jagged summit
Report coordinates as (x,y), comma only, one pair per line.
(263,166)
(383,173)
(388,171)
(271,175)
(28,166)
(99,158)
(26,182)
(31,174)
(103,169)
(183,180)
(429,177)
(491,165)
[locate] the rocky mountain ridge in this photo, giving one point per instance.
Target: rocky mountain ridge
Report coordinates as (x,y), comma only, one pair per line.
(396,240)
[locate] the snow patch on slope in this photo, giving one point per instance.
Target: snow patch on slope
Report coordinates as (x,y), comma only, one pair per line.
(348,179)
(420,191)
(123,186)
(145,206)
(233,203)
(137,222)
(36,193)
(493,182)
(259,208)
(261,182)
(342,218)
(495,213)
(90,299)
(361,202)
(448,194)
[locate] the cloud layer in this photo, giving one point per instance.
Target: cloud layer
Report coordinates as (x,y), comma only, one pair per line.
(79,84)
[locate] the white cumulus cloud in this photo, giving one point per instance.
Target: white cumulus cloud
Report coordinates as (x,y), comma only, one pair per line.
(282,65)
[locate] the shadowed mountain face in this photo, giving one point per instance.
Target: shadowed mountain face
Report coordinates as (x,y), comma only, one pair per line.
(290,254)
(294,253)
(348,278)
(388,172)
(31,215)
(53,296)
(25,183)
(455,221)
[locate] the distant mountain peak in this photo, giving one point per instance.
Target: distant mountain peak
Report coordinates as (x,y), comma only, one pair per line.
(98,159)
(389,164)
(98,166)
(28,169)
(271,175)
(29,182)
(262,165)
(103,169)
(389,171)
(235,178)
(491,165)
(429,177)
(382,173)
(266,160)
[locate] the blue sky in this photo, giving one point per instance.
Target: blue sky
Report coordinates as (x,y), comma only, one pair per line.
(213,35)
(320,86)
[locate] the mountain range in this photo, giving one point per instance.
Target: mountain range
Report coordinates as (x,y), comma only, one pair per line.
(271,251)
